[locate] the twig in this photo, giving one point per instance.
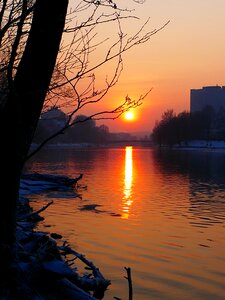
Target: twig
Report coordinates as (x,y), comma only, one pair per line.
(98,284)
(128,270)
(90,264)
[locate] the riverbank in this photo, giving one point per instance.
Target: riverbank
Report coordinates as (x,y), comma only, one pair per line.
(46,263)
(170,211)
(206,144)
(200,145)
(111,144)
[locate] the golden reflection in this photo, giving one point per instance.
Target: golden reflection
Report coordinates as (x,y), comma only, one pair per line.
(128,179)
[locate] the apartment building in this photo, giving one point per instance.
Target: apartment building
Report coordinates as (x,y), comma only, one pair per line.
(213,96)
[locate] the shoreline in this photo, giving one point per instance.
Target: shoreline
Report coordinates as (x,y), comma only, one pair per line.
(197,145)
(45,260)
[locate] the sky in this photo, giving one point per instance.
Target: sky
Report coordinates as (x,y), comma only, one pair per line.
(188,53)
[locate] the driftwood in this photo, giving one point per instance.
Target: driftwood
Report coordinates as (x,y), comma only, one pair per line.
(96,282)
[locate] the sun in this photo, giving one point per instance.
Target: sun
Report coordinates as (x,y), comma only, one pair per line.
(129,116)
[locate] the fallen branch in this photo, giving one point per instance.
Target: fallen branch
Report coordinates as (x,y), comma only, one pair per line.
(69,291)
(98,284)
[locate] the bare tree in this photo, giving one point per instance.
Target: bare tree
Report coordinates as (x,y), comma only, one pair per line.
(21,106)
(75,83)
(36,73)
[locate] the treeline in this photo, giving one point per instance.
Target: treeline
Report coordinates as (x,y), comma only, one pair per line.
(202,125)
(83,131)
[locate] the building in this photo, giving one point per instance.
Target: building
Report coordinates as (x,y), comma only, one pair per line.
(213,96)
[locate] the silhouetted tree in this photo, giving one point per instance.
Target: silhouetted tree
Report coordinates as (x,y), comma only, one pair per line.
(102,134)
(174,129)
(19,112)
(50,122)
(164,131)
(30,36)
(74,82)
(183,127)
(157,134)
(83,130)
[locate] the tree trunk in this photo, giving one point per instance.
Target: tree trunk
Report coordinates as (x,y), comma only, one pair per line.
(20,114)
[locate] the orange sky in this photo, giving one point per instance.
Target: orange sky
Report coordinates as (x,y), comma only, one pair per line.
(188,53)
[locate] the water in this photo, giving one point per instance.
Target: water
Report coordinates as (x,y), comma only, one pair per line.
(161,213)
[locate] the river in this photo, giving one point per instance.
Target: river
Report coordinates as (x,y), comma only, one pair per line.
(161,213)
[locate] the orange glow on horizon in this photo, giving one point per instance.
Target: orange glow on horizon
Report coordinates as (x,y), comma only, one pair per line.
(170,64)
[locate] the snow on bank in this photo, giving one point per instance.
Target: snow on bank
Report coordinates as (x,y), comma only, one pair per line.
(201,144)
(40,183)
(45,264)
(65,145)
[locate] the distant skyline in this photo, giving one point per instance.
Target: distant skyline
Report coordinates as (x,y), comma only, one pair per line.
(187,54)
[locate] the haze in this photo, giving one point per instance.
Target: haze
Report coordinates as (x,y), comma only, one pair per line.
(187,53)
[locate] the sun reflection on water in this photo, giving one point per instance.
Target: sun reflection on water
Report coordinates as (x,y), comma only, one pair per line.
(128,179)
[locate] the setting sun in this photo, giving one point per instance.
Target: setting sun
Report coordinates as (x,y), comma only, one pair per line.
(129,116)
